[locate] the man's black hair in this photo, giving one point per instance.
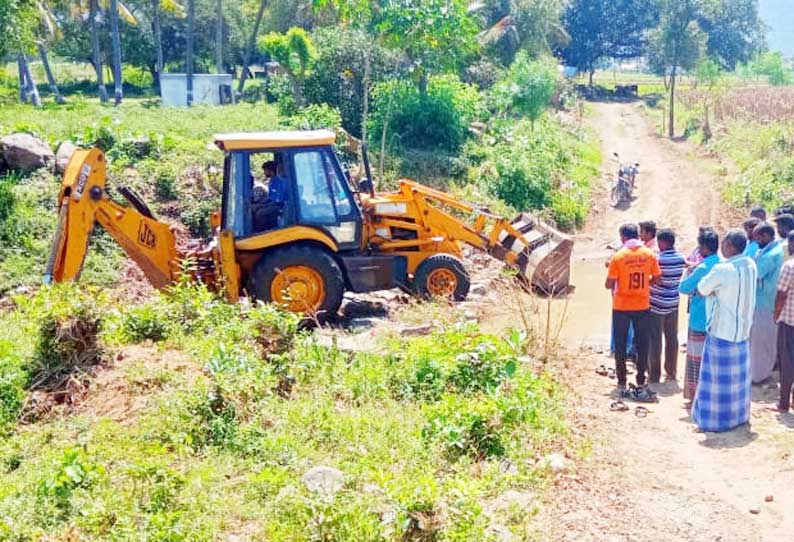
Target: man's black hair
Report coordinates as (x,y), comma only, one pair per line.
(666,236)
(649,226)
(708,238)
(786,220)
(790,236)
(765,228)
(758,211)
(737,239)
(751,223)
(786,209)
(629,231)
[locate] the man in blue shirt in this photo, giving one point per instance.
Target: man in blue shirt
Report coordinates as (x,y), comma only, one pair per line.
(763,336)
(664,309)
(277,187)
(708,246)
(752,245)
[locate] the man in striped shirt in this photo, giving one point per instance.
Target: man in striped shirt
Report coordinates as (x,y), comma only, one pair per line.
(664,309)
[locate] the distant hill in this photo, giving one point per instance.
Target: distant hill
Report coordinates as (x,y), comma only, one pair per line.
(779,17)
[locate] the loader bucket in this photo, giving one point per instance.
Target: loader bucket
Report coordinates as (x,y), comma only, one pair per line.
(544,254)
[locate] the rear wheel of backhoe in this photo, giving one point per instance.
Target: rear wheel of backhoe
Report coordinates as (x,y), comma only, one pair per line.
(444,276)
(300,279)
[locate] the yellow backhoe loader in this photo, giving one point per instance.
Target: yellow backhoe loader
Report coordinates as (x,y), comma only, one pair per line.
(305,235)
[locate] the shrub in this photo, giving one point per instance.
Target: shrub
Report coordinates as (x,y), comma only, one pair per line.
(339,68)
(145,322)
(68,337)
(465,427)
(73,471)
(196,216)
(437,119)
(528,87)
(12,385)
(316,116)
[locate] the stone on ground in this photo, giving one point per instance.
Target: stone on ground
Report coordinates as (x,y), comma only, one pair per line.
(62,156)
(322,479)
(24,152)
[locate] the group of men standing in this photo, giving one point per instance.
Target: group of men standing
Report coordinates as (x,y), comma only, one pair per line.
(741,314)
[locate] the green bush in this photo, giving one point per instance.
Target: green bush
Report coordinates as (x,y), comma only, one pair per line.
(69,322)
(146,322)
(528,87)
(438,119)
(13,380)
(74,470)
(338,75)
(316,116)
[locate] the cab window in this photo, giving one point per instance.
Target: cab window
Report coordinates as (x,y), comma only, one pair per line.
(321,197)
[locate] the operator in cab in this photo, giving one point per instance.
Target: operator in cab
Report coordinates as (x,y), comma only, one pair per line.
(268,197)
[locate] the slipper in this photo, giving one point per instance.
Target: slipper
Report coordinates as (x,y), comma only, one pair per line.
(611,373)
(618,406)
(776,409)
(642,412)
(601,370)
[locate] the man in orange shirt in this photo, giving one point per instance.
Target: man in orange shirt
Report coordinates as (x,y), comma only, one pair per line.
(632,270)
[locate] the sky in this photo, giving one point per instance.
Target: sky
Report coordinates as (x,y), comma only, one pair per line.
(779,17)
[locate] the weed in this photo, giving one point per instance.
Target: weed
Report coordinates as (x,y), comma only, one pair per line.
(13,379)
(74,470)
(145,322)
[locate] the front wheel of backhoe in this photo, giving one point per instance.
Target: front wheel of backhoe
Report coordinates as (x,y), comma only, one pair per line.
(300,279)
(444,276)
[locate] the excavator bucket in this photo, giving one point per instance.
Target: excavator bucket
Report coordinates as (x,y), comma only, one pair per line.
(544,254)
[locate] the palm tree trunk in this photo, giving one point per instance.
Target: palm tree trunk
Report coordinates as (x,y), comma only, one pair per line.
(219,36)
(23,84)
(116,39)
(32,90)
(191,19)
(50,77)
(249,48)
(158,39)
(100,79)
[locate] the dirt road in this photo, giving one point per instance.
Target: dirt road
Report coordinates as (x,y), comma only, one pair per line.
(654,479)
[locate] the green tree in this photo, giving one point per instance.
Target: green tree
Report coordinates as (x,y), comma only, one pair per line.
(295,52)
(600,29)
(772,65)
(677,44)
(734,30)
(528,87)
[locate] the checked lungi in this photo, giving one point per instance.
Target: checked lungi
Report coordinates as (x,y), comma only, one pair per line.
(722,401)
(694,356)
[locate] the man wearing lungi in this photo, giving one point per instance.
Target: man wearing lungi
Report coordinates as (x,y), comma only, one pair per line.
(708,247)
(763,335)
(784,315)
(722,401)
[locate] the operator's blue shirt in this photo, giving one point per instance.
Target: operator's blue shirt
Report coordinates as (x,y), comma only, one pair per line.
(689,286)
(277,189)
(769,261)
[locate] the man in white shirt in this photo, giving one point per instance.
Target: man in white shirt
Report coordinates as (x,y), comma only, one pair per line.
(722,401)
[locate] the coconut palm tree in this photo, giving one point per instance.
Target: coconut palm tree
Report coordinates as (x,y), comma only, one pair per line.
(157,8)
(191,21)
(219,36)
(116,40)
(249,47)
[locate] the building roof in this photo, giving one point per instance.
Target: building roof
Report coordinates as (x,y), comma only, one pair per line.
(251,141)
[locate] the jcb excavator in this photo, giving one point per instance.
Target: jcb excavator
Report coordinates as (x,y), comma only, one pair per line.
(320,238)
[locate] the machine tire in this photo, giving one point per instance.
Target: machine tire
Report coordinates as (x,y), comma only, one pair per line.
(436,274)
(313,263)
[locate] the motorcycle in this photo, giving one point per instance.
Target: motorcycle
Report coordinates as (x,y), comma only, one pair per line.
(627,180)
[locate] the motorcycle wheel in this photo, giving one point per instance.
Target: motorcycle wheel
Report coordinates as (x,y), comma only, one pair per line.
(616,196)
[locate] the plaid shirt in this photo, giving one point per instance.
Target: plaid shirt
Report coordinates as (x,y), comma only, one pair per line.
(786,284)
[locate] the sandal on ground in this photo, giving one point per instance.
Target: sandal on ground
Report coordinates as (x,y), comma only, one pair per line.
(611,373)
(618,406)
(601,370)
(641,412)
(643,395)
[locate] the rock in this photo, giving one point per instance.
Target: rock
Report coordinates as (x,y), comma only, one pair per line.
(416,331)
(501,533)
(556,463)
(62,155)
(769,498)
(511,499)
(326,480)
(25,152)
(755,511)
(478,289)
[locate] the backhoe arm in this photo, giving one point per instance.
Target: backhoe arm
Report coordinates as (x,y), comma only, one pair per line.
(82,202)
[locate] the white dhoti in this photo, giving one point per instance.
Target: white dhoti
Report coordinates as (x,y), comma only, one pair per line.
(763,345)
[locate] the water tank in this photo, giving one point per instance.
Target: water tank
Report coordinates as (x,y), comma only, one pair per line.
(208,89)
